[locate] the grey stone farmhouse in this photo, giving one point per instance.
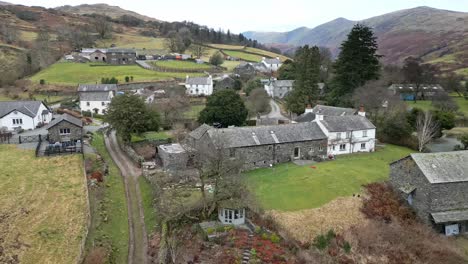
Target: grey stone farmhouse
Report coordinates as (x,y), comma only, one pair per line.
(435,185)
(265,145)
(121,56)
(65,128)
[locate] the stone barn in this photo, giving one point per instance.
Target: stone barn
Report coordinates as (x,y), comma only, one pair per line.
(173,156)
(435,185)
(65,128)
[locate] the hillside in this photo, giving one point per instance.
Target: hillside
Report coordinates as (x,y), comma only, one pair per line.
(439,36)
(108,10)
(4,3)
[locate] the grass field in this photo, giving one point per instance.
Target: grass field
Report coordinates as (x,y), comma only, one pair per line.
(132,41)
(150,136)
(74,73)
(114,229)
(243,56)
(175,64)
(194,111)
(463,104)
(427,105)
(266,53)
(230,65)
(39,97)
(289,187)
(43,206)
(423,105)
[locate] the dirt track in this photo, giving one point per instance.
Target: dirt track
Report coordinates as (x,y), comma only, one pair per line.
(138,241)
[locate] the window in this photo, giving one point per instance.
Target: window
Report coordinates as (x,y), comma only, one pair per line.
(88,103)
(232,153)
(320,148)
(269,147)
(342,147)
(348,134)
(64,131)
(363,145)
(333,147)
(364,133)
(17,121)
(297,152)
(278,147)
(338,135)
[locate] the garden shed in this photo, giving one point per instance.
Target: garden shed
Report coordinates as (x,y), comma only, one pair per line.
(231,212)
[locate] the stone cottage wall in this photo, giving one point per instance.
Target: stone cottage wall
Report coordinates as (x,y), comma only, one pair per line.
(173,161)
(406,173)
(54,132)
(449,196)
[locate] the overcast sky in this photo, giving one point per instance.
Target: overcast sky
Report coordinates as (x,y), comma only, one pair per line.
(260,15)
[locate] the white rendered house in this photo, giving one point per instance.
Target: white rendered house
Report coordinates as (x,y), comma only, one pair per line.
(24,114)
(272,64)
(199,86)
(96,98)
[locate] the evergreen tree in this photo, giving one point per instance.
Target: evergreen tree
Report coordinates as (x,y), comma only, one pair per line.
(224,107)
(357,63)
(307,74)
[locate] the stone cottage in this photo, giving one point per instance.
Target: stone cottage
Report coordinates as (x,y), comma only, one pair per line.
(65,128)
(265,145)
(121,56)
(245,71)
(435,185)
(226,82)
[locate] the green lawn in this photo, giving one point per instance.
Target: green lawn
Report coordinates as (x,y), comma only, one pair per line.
(153,135)
(243,56)
(194,111)
(39,97)
(147,197)
(230,65)
(114,229)
(175,64)
(423,105)
(69,73)
(462,103)
(289,187)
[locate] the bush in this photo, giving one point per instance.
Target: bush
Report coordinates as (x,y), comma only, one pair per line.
(27,15)
(86,113)
(265,236)
(210,231)
(127,79)
(347,247)
(217,59)
(275,238)
(321,242)
(228,228)
(42,81)
(220,229)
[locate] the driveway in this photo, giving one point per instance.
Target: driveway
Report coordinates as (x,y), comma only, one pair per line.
(275,111)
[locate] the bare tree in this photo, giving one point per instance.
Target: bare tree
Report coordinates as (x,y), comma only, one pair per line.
(103,27)
(418,74)
(426,128)
(199,50)
(172,109)
(258,101)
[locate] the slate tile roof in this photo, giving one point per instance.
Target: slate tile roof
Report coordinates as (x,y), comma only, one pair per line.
(67,118)
(272,61)
(97,87)
(198,81)
(443,167)
(95,96)
(283,83)
(450,216)
(346,123)
(326,110)
(28,108)
(200,131)
(117,50)
(266,135)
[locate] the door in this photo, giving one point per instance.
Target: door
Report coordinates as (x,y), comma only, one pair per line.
(297,152)
(452,230)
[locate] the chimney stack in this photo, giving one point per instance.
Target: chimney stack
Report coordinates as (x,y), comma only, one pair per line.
(362,112)
(319,115)
(309,109)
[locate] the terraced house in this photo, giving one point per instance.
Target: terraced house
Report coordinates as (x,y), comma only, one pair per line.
(435,185)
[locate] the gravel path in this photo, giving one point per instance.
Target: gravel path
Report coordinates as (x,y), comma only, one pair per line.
(275,111)
(138,240)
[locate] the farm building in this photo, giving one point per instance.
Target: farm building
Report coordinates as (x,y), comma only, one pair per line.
(197,86)
(24,114)
(226,82)
(121,56)
(435,185)
(246,71)
(173,156)
(65,128)
(96,98)
(263,146)
(407,92)
(98,56)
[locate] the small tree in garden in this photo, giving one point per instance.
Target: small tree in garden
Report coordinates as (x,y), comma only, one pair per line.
(217,59)
(42,82)
(426,129)
(127,79)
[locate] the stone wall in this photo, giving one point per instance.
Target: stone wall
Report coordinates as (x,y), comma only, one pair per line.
(143,85)
(75,132)
(173,160)
(405,173)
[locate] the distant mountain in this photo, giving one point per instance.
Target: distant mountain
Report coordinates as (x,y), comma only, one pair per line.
(433,34)
(105,9)
(4,3)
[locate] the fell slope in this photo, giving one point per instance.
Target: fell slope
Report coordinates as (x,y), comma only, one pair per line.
(105,9)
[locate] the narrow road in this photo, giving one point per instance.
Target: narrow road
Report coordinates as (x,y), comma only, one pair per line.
(138,240)
(275,111)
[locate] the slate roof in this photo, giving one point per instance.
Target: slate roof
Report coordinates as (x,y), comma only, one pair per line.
(198,80)
(326,110)
(95,96)
(346,123)
(282,83)
(408,87)
(266,135)
(117,50)
(200,131)
(67,118)
(97,87)
(450,216)
(272,61)
(28,108)
(305,117)
(443,167)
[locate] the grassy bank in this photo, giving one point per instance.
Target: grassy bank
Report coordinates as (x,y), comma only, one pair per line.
(43,208)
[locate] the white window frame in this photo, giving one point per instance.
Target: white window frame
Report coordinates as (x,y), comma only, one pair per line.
(342,148)
(348,134)
(88,103)
(338,135)
(364,133)
(17,121)
(363,145)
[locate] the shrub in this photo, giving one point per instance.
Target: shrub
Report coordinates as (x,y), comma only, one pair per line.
(330,234)
(347,247)
(42,81)
(228,228)
(127,79)
(258,230)
(275,238)
(265,236)
(321,242)
(86,113)
(220,228)
(210,231)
